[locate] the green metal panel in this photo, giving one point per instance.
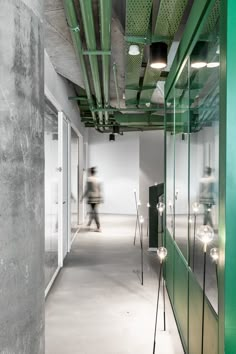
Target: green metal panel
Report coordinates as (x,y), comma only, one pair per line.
(195,321)
(181,295)
(227,263)
(169,265)
(138,14)
(195,316)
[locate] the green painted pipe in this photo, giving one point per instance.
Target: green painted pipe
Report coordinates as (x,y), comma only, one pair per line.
(116,84)
(75,34)
(105,19)
(88,22)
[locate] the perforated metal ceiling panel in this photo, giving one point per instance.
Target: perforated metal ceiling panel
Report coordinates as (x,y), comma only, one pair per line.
(138,14)
(167,24)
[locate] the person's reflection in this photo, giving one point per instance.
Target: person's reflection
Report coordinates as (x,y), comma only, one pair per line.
(207,195)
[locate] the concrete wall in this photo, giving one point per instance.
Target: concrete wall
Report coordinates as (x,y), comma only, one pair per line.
(21,177)
(118,167)
(151,164)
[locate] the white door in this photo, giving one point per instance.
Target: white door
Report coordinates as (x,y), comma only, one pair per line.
(63,197)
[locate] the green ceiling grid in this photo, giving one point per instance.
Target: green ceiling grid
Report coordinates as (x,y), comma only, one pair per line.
(138,14)
(168,20)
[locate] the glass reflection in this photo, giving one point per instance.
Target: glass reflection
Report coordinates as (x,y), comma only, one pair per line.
(51,190)
(74,183)
(204,157)
(181,160)
(170,153)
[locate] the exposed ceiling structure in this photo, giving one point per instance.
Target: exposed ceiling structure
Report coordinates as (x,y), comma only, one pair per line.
(88,42)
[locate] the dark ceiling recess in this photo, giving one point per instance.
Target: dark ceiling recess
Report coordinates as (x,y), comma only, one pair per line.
(119,86)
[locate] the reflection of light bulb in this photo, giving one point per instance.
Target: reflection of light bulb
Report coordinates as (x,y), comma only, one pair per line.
(161,253)
(161,207)
(214,253)
(190,220)
(176,194)
(141,219)
(139,203)
(205,234)
(170,203)
(148,205)
(208,209)
(155,184)
(195,207)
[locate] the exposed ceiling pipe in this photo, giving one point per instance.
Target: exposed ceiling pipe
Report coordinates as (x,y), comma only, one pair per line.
(75,34)
(116,84)
(88,22)
(105,20)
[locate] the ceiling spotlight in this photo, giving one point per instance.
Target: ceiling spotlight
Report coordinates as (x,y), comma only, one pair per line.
(111,137)
(158,55)
(134,49)
(199,55)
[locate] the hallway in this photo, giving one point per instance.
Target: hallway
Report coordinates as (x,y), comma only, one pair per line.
(97,304)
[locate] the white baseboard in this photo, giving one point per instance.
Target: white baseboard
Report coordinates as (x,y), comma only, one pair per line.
(51,282)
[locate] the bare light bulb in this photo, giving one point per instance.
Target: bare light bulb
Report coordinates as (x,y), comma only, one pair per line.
(161,253)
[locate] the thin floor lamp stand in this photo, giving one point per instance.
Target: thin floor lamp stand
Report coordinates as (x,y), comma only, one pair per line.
(194,238)
(137,218)
(158,295)
(203,299)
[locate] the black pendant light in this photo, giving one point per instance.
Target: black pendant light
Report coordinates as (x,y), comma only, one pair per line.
(158,55)
(198,57)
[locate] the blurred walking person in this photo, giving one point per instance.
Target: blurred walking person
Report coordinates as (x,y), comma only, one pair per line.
(93,193)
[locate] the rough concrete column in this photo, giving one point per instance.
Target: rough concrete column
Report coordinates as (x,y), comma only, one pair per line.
(21,177)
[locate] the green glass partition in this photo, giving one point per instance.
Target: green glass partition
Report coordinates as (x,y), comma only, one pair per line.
(192,179)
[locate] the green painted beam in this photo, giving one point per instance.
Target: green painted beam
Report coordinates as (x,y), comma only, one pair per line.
(96,52)
(88,22)
(105,21)
(75,34)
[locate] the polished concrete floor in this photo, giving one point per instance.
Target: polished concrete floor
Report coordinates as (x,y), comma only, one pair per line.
(97,304)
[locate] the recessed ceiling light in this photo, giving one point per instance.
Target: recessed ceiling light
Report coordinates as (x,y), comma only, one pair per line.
(134,49)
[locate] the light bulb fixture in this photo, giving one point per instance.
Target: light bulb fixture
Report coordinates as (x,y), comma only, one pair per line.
(161,253)
(141,219)
(199,55)
(158,55)
(195,207)
(111,137)
(160,207)
(148,205)
(205,234)
(214,253)
(134,49)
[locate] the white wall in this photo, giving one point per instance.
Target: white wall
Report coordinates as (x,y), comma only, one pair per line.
(118,167)
(151,164)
